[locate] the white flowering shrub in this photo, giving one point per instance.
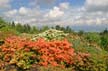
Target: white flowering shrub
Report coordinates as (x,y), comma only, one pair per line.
(51,34)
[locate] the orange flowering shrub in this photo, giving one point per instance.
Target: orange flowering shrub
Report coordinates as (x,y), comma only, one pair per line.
(55,52)
(24,52)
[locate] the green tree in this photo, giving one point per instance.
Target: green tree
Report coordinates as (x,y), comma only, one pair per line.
(104,41)
(62,29)
(104,32)
(44,28)
(26,28)
(34,29)
(13,24)
(57,27)
(81,32)
(68,29)
(2,23)
(19,28)
(92,37)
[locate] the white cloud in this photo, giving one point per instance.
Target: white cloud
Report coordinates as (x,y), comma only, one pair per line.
(57,11)
(96,5)
(96,12)
(11,13)
(14,12)
(5,4)
(64,5)
(24,15)
(23,11)
(54,13)
(97,2)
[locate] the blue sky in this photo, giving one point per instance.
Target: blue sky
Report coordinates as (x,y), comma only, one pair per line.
(18,3)
(80,14)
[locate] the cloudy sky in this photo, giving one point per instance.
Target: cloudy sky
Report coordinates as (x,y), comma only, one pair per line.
(88,15)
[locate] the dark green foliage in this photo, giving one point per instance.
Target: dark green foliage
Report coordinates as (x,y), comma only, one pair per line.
(81,32)
(104,39)
(104,32)
(57,27)
(104,42)
(66,29)
(44,28)
(13,24)
(92,37)
(19,28)
(2,23)
(34,30)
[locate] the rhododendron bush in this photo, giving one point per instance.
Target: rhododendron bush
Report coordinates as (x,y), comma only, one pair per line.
(24,53)
(44,52)
(51,34)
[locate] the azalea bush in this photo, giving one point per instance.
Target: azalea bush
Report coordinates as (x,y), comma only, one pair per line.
(51,34)
(24,54)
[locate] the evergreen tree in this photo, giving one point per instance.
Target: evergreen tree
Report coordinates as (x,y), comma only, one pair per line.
(104,42)
(105,31)
(34,29)
(27,28)
(13,24)
(44,28)
(57,27)
(19,28)
(81,32)
(68,29)
(2,23)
